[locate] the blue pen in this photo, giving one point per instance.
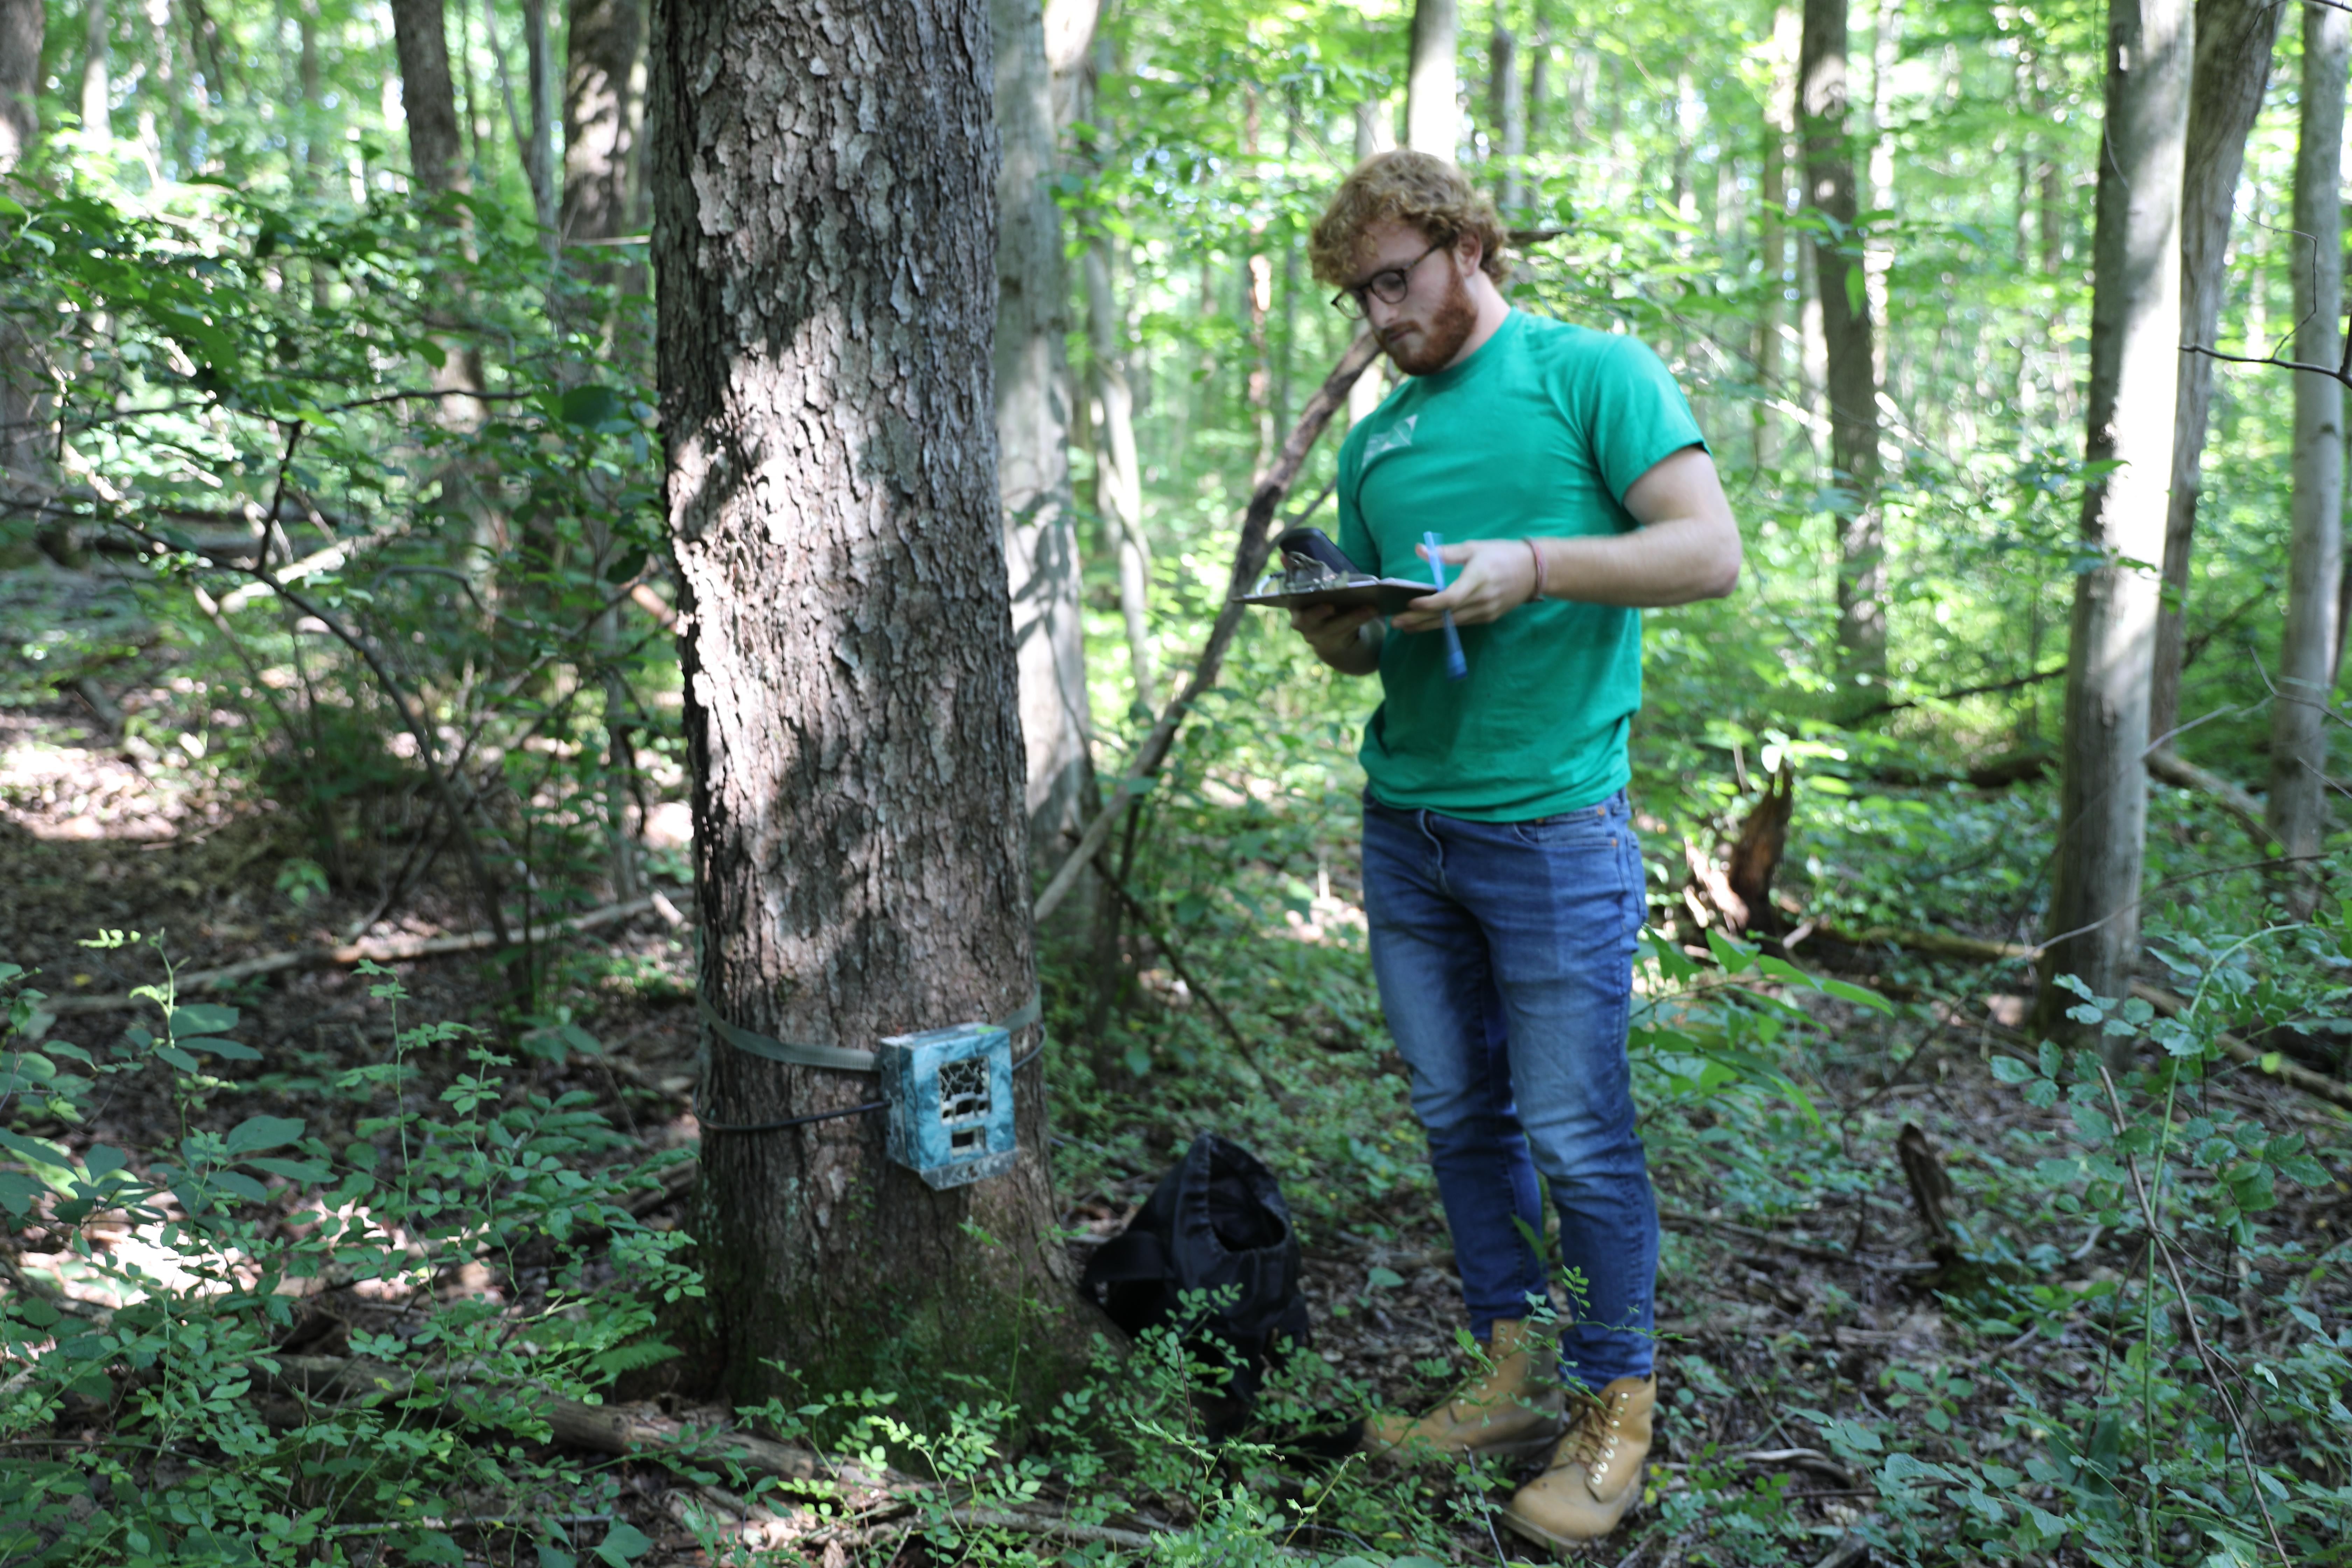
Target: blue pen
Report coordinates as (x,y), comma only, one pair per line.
(1456,666)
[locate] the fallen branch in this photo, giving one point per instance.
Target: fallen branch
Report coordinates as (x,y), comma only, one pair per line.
(378,950)
(1677,1220)
(2182,774)
(601,1429)
(1249,561)
(2317,1085)
(1944,944)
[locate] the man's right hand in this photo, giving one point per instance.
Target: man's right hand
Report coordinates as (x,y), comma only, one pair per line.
(1337,636)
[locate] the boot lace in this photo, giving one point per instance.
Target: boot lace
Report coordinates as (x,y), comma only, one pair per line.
(1591,1442)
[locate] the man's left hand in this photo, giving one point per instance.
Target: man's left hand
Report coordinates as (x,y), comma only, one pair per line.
(1496,575)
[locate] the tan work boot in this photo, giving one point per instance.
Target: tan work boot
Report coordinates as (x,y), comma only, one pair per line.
(1595,1473)
(1511,1407)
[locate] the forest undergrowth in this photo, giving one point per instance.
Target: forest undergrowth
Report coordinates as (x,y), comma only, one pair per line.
(222,1204)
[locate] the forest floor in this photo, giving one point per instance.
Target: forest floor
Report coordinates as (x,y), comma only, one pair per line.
(1787,1296)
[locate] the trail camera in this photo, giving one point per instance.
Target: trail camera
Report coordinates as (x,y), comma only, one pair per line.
(950,1102)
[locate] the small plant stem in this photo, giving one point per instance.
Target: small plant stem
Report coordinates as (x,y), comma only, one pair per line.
(2213,1371)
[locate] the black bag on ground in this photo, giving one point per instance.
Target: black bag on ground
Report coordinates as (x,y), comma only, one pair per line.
(1215,1223)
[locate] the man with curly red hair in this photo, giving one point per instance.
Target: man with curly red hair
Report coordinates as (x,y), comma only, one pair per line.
(1503,882)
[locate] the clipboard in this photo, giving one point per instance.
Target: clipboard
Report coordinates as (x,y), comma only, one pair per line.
(1388,594)
(1315,572)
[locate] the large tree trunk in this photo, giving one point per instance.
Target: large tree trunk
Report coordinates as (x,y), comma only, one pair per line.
(2298,810)
(1853,380)
(428,102)
(2234,39)
(1033,433)
(824,216)
(2135,349)
(603,110)
(1432,121)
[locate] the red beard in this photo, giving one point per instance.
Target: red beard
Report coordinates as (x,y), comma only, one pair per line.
(1419,348)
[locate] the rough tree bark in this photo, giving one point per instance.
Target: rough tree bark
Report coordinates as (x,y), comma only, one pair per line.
(824,216)
(1033,433)
(2298,808)
(1846,333)
(1431,120)
(2094,921)
(2234,40)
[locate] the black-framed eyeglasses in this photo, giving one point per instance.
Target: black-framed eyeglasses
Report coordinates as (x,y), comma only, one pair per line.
(1388,284)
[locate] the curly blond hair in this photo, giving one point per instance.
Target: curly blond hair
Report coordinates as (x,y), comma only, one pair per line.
(1408,187)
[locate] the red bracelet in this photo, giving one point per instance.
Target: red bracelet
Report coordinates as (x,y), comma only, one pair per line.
(1539,569)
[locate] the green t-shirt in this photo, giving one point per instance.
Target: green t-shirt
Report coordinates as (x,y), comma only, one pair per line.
(1540,432)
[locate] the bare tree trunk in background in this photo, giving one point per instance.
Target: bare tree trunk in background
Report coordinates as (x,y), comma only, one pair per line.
(97,90)
(860,853)
(1118,479)
(1886,36)
(1033,433)
(428,102)
(602,108)
(1118,472)
(24,399)
(2093,920)
(309,72)
(25,404)
(538,146)
(2234,41)
(1853,382)
(1538,75)
(1431,120)
(1375,135)
(1257,296)
(1509,111)
(2298,807)
(1772,230)
(22,24)
(604,111)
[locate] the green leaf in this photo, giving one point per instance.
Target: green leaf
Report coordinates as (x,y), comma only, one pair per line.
(1735,956)
(202,1019)
(555,1557)
(228,1050)
(308,1171)
(1381,1279)
(626,1542)
(243,1186)
(1860,995)
(257,1132)
(174,1056)
(2009,1069)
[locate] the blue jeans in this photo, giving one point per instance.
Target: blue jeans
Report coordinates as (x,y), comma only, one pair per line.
(1503,952)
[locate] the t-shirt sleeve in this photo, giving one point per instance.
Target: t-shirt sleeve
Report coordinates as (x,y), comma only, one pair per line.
(1636,415)
(1356,542)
